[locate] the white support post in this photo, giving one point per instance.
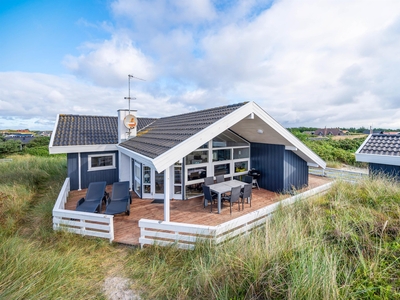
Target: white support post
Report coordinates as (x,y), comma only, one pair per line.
(166,194)
(79,172)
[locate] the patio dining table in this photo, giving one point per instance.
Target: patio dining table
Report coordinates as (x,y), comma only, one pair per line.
(224,187)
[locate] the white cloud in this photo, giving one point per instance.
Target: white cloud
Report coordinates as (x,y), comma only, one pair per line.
(108,64)
(307,63)
(33,100)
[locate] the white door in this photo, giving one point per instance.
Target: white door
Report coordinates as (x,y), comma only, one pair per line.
(137,180)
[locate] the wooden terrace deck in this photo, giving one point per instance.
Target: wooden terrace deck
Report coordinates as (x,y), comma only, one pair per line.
(127,231)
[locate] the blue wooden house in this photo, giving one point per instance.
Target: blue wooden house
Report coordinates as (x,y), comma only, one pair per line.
(169,157)
(382,153)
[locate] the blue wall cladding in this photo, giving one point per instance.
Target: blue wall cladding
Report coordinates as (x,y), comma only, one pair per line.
(72,170)
(281,170)
(110,175)
(389,170)
(296,172)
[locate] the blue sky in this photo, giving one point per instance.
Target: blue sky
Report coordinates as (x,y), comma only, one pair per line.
(307,63)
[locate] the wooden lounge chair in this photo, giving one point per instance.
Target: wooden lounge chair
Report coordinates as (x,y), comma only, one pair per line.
(94,196)
(120,199)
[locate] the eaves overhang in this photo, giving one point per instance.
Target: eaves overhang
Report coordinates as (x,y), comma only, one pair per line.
(136,156)
(82,148)
(302,150)
(174,154)
(378,159)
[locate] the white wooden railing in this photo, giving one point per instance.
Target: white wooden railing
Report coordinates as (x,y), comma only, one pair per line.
(89,224)
(185,235)
(337,174)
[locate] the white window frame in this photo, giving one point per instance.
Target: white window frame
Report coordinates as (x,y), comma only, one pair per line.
(90,168)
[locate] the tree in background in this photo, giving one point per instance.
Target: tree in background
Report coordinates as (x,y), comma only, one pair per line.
(10,146)
(38,146)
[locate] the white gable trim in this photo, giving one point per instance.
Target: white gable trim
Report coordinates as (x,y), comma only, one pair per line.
(168,158)
(292,140)
(54,132)
(172,155)
(363,144)
(81,148)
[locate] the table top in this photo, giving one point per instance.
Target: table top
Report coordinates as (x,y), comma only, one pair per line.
(226,186)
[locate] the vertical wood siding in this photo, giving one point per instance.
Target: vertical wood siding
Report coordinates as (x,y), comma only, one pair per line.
(389,170)
(72,170)
(268,159)
(281,170)
(110,176)
(296,172)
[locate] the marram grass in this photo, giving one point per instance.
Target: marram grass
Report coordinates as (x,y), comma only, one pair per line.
(342,245)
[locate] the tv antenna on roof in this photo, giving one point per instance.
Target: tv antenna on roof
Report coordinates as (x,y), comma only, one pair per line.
(129,120)
(129,90)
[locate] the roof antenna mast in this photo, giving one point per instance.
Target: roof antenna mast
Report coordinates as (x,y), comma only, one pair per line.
(129,90)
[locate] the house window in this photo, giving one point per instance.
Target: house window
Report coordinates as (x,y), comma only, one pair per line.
(241,153)
(101,162)
(222,169)
(228,139)
(219,155)
(196,173)
(197,157)
(241,166)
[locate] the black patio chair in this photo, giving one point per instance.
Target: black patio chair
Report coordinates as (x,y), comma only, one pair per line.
(248,179)
(120,199)
(208,196)
(233,197)
(245,193)
(94,197)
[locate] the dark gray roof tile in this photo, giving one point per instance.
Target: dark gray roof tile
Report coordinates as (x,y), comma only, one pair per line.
(382,144)
(166,133)
(77,130)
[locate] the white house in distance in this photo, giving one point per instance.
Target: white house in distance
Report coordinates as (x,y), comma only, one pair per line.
(168,157)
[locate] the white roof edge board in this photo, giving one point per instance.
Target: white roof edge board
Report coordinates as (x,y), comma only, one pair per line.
(312,165)
(82,148)
(314,158)
(136,156)
(363,144)
(168,158)
(378,159)
(292,148)
(54,132)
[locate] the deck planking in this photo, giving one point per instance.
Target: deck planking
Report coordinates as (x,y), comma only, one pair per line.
(126,228)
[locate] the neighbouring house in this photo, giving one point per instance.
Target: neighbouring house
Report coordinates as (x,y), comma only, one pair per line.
(168,157)
(329,131)
(45,133)
(24,138)
(382,153)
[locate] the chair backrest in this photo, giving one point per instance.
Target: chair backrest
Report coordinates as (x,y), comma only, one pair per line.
(235,194)
(248,179)
(219,178)
(209,180)
(207,192)
(247,190)
(95,191)
(120,191)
